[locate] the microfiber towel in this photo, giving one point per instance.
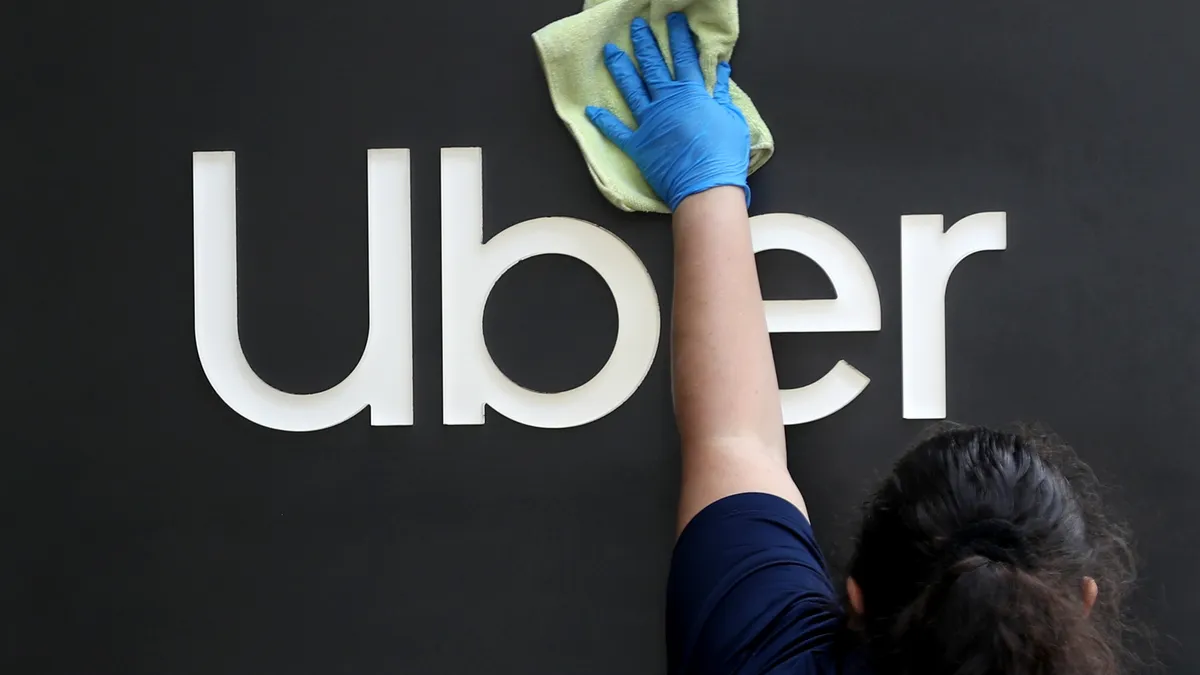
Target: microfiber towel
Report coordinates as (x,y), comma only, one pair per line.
(571,50)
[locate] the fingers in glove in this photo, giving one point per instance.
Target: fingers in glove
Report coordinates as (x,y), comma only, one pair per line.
(645,47)
(627,79)
(721,88)
(683,49)
(610,125)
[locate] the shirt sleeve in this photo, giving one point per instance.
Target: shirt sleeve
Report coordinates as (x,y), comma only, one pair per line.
(748,590)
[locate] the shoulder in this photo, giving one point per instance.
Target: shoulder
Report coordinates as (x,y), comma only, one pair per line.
(749,591)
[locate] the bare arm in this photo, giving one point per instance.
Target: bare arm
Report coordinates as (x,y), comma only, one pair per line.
(726,394)
(693,147)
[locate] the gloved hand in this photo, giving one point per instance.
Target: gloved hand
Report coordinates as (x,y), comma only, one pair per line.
(686,141)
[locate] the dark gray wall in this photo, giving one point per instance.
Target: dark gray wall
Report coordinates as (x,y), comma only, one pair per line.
(149,529)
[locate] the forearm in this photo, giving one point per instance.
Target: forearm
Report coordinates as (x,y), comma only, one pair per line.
(689,140)
(722,368)
(726,392)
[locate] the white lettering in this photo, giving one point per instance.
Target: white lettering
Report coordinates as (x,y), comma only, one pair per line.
(470,378)
(927,257)
(383,377)
(855,307)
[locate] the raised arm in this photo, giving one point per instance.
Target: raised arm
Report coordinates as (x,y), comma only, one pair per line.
(693,148)
(726,395)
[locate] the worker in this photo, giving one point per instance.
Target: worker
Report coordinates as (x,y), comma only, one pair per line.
(983,553)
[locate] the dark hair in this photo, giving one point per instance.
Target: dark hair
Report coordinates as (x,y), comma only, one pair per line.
(972,559)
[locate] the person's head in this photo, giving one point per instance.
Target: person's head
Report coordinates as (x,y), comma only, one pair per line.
(988,553)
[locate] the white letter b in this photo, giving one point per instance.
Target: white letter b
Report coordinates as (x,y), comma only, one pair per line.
(470,268)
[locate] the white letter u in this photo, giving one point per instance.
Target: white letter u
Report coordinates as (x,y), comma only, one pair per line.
(383,377)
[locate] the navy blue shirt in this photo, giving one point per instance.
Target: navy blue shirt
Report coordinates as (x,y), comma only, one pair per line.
(749,594)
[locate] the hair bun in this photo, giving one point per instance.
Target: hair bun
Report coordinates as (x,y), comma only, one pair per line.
(996,539)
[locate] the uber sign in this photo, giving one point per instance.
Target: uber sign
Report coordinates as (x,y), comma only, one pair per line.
(383,378)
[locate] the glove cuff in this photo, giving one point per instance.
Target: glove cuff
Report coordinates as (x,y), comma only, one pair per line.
(702,187)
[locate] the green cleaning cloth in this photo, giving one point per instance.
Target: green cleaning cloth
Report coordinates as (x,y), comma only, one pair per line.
(572,49)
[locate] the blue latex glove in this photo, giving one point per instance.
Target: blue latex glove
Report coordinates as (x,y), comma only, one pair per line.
(687,141)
